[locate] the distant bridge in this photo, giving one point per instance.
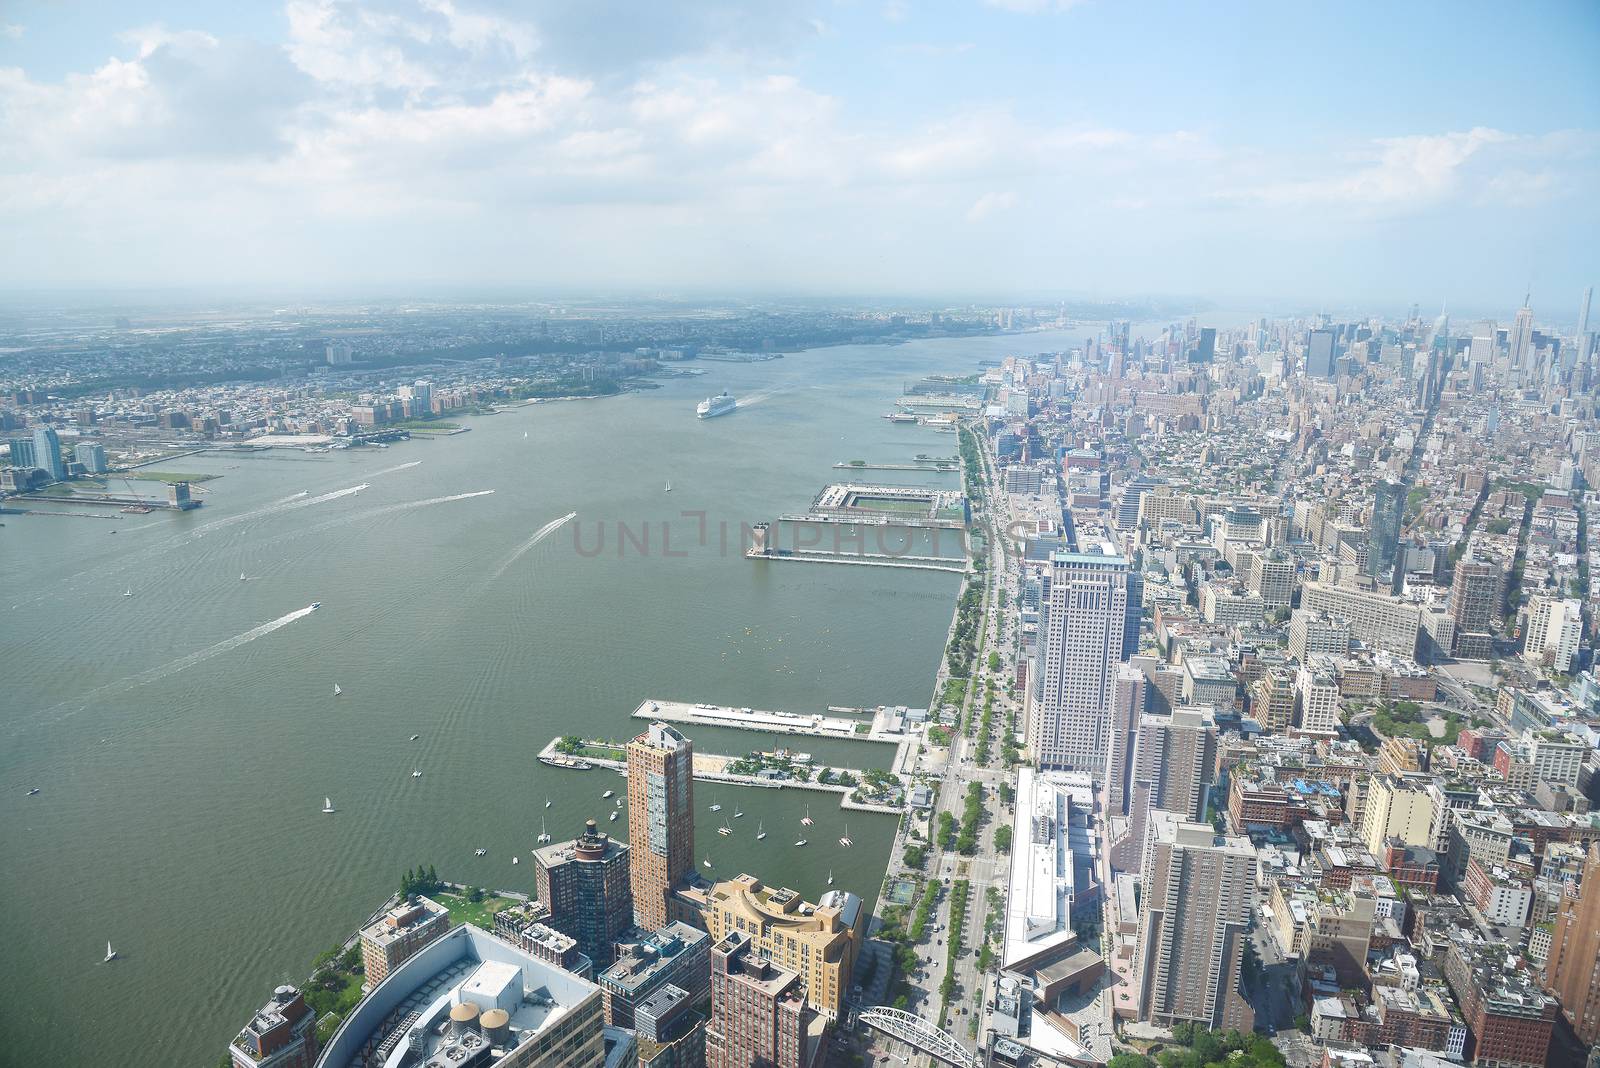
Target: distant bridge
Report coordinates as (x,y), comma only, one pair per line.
(917,1032)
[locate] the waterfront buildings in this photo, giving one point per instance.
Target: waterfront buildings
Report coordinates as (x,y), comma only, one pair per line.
(584,884)
(660,820)
(471,998)
(1083,630)
(92,455)
(759,1018)
(47,453)
(1572,972)
(282,1034)
(1198,902)
(399,934)
(819,942)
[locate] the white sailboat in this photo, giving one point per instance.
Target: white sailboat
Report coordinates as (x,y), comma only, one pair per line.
(327,805)
(830,876)
(415,774)
(805,821)
(716,806)
(241,576)
(336,690)
(669,486)
(706,862)
(128,592)
(111,954)
(845,839)
(737,812)
(800,842)
(761,831)
(544,835)
(524,435)
(724,830)
(547,802)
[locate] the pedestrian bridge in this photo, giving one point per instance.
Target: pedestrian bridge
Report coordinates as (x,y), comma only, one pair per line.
(917,1032)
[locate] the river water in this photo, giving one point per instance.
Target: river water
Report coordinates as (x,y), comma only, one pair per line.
(185,736)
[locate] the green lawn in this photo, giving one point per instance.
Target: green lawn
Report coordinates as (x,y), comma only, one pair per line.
(339,1001)
(890,504)
(479,914)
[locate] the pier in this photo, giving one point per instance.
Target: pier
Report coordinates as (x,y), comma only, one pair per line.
(880,729)
(930,468)
(919,563)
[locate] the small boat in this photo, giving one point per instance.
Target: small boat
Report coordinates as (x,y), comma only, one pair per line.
(724,830)
(716,807)
(524,435)
(414,737)
(32,790)
(480,852)
(128,592)
(845,839)
(608,793)
(805,821)
(315,605)
(619,802)
(241,576)
(111,954)
(614,814)
(544,835)
(830,876)
(415,774)
(669,486)
(761,831)
(327,805)
(546,802)
(516,860)
(706,862)
(737,812)
(800,842)
(336,690)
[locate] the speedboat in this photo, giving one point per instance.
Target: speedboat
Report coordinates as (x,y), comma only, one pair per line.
(315,605)
(241,576)
(706,862)
(32,790)
(801,842)
(414,737)
(608,793)
(619,802)
(614,814)
(111,954)
(515,860)
(327,805)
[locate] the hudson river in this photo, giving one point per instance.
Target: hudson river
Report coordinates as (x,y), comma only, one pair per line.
(183,737)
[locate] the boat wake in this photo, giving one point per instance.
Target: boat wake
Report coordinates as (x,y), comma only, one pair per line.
(392,470)
(538,536)
(183,663)
(288,504)
(761,395)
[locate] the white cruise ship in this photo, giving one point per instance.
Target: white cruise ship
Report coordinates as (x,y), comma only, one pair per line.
(721,404)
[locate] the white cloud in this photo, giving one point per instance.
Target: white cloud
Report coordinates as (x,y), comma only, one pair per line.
(990,204)
(11,30)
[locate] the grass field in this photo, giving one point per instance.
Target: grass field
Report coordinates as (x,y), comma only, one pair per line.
(479,914)
(890,504)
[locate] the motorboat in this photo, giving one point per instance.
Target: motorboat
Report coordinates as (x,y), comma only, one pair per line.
(414,737)
(315,605)
(608,793)
(32,790)
(800,842)
(327,805)
(619,802)
(614,814)
(706,862)
(546,802)
(516,860)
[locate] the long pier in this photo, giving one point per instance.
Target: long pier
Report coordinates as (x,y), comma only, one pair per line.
(929,468)
(919,563)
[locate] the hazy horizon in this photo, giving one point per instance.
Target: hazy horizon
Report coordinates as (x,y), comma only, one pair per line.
(1014,151)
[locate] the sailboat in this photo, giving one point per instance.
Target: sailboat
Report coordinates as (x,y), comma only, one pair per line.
(547,802)
(800,842)
(845,839)
(724,830)
(805,821)
(111,954)
(706,862)
(524,435)
(414,737)
(669,486)
(544,835)
(830,876)
(737,812)
(241,576)
(336,690)
(716,806)
(128,592)
(327,805)
(761,831)
(415,774)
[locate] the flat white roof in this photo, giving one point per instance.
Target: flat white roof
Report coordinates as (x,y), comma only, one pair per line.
(1039,905)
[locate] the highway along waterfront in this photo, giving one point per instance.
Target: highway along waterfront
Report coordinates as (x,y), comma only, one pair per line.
(183,729)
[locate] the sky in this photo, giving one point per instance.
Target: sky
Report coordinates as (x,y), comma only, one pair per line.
(1001,150)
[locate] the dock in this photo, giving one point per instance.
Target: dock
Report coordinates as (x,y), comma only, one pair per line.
(929,468)
(919,563)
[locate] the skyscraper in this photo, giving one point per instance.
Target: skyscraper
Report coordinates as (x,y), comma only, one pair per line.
(1198,889)
(1388,507)
(1174,765)
(759,1019)
(660,820)
(1476,594)
(47,452)
(282,1034)
(1572,973)
(1205,349)
(1583,318)
(1319,354)
(1084,634)
(1129,700)
(584,884)
(1521,340)
(92,455)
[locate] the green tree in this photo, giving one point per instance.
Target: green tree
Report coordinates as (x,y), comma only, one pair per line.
(1002,838)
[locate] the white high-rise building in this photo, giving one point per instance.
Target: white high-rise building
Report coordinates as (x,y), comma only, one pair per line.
(1555,627)
(1521,339)
(1084,634)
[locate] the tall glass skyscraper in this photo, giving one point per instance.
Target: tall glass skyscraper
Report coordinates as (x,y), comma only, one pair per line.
(1388,507)
(660,820)
(47,452)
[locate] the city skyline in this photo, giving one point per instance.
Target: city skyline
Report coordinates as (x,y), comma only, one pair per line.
(986,150)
